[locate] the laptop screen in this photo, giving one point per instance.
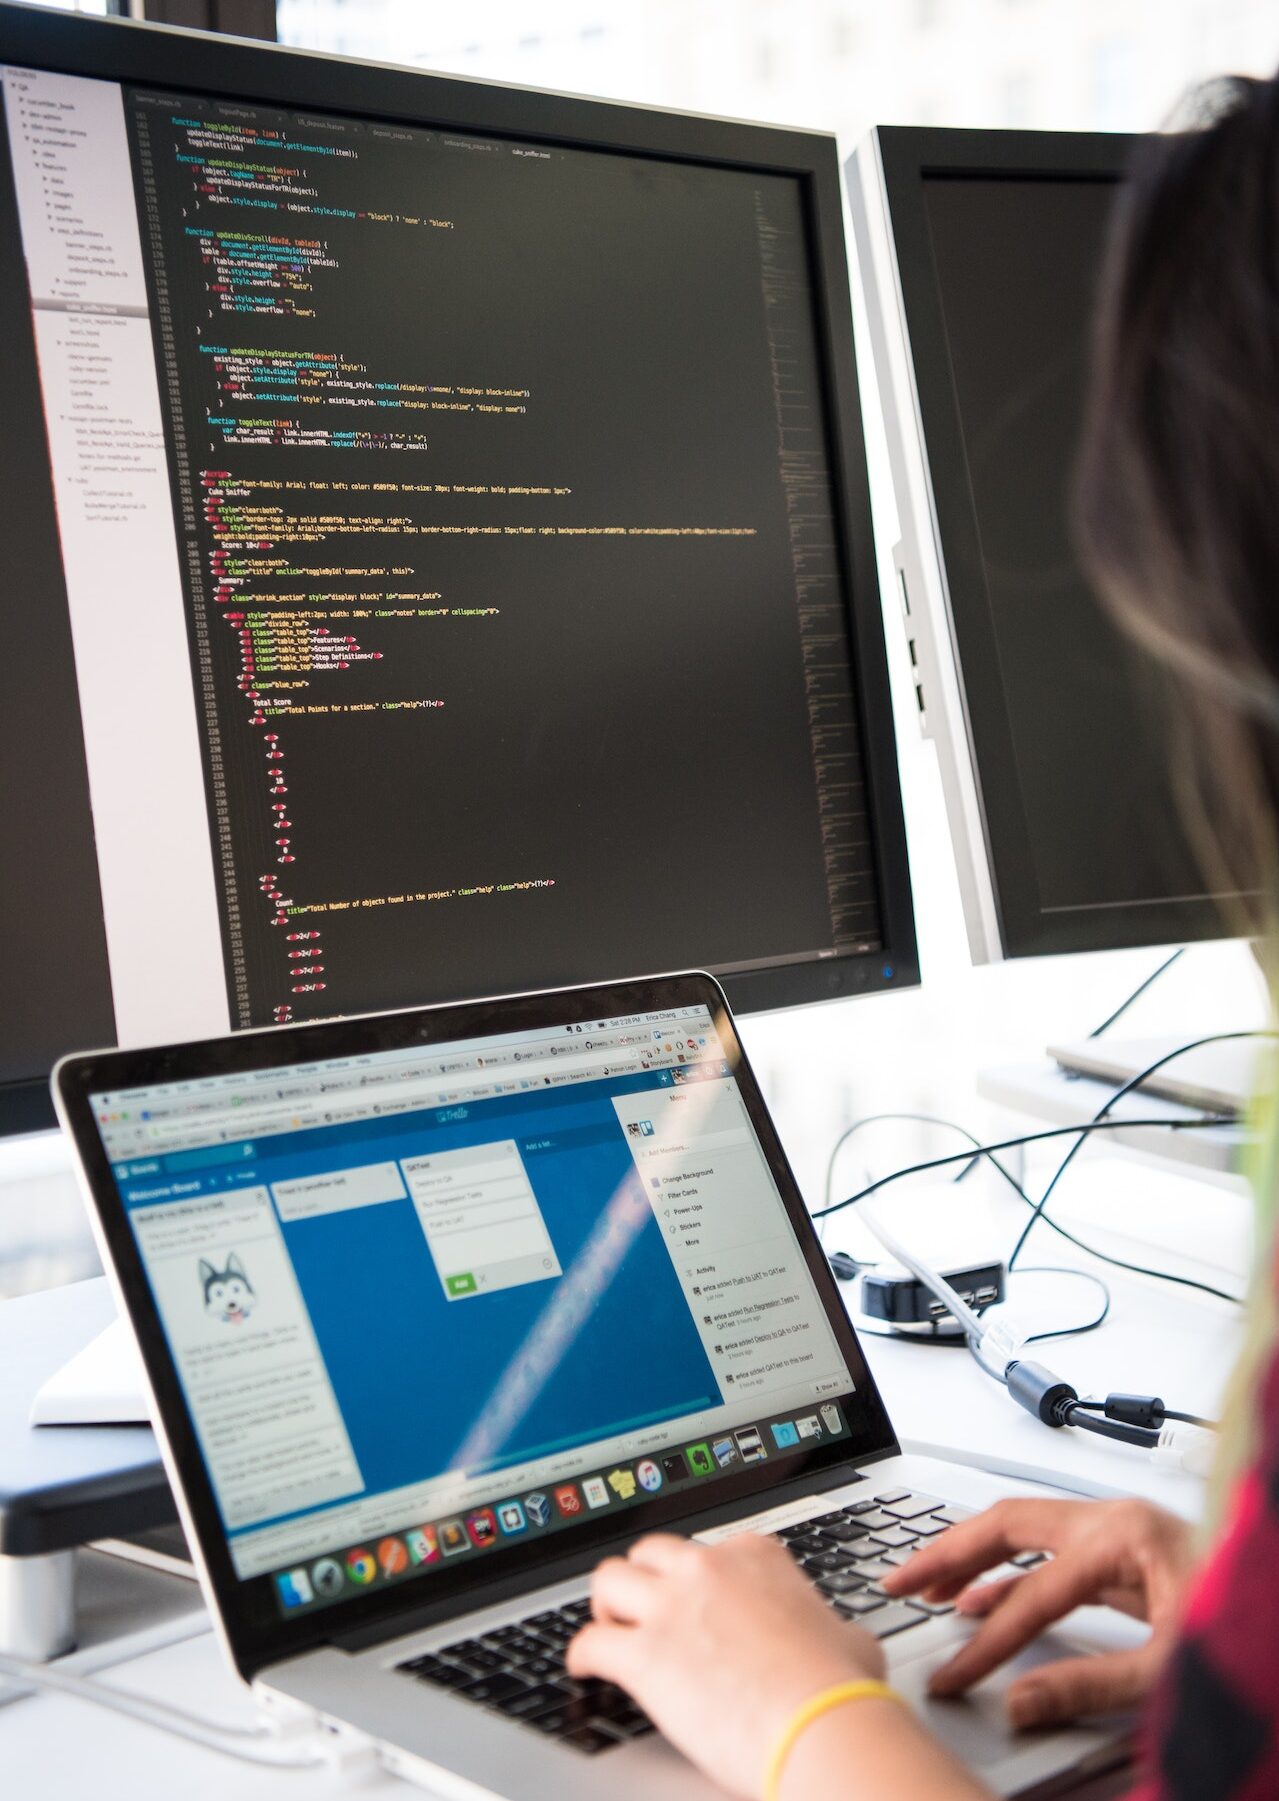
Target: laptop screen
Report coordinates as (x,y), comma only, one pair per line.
(430,1303)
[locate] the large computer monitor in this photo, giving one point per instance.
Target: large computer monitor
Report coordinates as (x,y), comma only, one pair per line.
(980,254)
(437,549)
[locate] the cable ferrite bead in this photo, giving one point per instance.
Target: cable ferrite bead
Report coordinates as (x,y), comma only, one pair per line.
(1040,1392)
(1136,1410)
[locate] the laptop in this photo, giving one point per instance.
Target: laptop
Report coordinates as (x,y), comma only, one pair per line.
(438,1307)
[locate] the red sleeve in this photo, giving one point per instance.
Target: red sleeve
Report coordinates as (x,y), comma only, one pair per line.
(1213,1727)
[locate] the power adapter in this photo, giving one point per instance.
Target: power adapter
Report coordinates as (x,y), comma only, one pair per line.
(907,1305)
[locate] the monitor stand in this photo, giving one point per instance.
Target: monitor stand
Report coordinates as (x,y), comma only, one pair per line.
(62,1488)
(102,1385)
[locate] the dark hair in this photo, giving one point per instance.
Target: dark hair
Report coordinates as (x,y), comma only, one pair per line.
(1177,501)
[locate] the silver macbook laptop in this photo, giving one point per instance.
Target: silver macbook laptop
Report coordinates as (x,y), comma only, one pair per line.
(439,1307)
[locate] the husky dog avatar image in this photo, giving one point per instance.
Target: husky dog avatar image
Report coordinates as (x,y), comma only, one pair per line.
(228,1293)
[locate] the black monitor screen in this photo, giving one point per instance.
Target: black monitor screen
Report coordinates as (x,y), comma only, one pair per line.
(1069,722)
(451,533)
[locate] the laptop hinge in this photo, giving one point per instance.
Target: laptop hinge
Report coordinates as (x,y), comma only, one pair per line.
(559,1569)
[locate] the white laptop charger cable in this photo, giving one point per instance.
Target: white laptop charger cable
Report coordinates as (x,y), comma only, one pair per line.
(1177,1441)
(290,1741)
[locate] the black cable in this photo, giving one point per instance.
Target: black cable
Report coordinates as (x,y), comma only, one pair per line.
(1127,1435)
(1213,1121)
(1137,993)
(1141,1269)
(919,1119)
(1161,1412)
(1101,1115)
(914,1119)
(950,1125)
(1008,1144)
(1040,1269)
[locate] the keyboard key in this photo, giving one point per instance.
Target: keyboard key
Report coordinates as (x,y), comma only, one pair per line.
(525,1645)
(528,1703)
(910,1507)
(444,1675)
(840,1582)
(928,1527)
(823,1561)
(610,1702)
(893,1496)
(876,1519)
(491,1689)
(589,1739)
(828,1519)
(566,1719)
(872,1568)
(554,1723)
(899,1557)
(500,1637)
(896,1616)
(632,1725)
(951,1516)
(854,1606)
(893,1537)
(845,1532)
(855,1509)
(482,1661)
(539,1668)
(576,1687)
(809,1544)
(577,1610)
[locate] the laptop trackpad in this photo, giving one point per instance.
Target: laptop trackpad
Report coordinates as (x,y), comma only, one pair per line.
(976,1729)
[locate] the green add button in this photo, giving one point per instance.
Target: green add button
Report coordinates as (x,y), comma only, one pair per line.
(463,1284)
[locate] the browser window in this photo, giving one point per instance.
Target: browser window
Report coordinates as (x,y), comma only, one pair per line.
(426,1303)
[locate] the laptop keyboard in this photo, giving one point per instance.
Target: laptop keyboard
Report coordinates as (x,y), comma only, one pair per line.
(519,1670)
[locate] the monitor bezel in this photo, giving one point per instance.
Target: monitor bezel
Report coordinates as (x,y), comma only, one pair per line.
(909,157)
(255,1632)
(164,57)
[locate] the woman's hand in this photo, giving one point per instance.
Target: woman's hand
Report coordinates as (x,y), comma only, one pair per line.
(719,1644)
(1123,1554)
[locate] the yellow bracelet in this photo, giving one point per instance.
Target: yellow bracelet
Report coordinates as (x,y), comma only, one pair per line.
(803,1717)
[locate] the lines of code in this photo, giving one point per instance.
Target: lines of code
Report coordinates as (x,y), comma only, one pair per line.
(508,560)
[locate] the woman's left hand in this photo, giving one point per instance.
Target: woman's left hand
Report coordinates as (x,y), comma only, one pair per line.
(719,1644)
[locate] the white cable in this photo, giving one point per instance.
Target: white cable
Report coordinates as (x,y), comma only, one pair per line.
(1002,1343)
(1185,1447)
(120,1650)
(252,1745)
(936,1285)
